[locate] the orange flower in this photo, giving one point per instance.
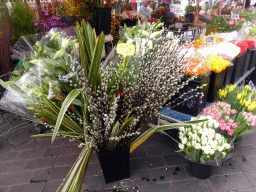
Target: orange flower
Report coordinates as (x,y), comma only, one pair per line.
(197,66)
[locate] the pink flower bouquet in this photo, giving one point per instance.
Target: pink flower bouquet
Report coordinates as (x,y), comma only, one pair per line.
(232,124)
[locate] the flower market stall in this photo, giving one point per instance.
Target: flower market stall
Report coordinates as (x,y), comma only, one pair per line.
(64,83)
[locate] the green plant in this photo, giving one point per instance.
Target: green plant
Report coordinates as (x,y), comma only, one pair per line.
(110,107)
(23,15)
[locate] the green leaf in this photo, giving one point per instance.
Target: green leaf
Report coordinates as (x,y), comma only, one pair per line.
(113,134)
(68,100)
(59,54)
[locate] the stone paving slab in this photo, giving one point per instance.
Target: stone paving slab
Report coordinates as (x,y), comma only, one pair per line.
(39,164)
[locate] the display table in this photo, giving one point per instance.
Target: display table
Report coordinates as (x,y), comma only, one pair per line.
(193,33)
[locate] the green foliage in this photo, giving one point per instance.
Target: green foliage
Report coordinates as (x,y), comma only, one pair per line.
(22,19)
(249,16)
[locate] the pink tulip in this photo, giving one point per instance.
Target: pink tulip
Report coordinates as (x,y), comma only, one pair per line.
(253,123)
(233,111)
(243,19)
(230,121)
(221,121)
(222,127)
(234,125)
(237,24)
(230,132)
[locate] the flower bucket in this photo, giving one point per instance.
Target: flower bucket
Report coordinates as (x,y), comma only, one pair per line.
(246,62)
(199,170)
(252,59)
(115,164)
(238,66)
(129,22)
(228,74)
(216,83)
(103,21)
(195,105)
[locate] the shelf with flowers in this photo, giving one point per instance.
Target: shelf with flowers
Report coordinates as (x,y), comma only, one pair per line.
(74,88)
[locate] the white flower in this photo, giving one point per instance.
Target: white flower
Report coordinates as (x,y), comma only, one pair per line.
(226,145)
(193,143)
(218,136)
(181,129)
(198,146)
(194,136)
(212,152)
(189,133)
(184,140)
(204,142)
(181,146)
(207,149)
(216,125)
(213,144)
(220,148)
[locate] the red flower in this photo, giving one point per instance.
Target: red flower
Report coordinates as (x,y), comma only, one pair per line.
(250,44)
(242,45)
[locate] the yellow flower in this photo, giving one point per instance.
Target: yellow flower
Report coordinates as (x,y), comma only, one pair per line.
(239,96)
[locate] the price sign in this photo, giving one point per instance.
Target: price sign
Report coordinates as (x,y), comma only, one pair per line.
(125,49)
(251,85)
(209,39)
(178,25)
(235,16)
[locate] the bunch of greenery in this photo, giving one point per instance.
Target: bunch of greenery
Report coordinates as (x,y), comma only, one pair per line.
(23,15)
(109,107)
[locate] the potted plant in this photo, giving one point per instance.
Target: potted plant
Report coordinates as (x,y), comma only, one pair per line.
(103,109)
(203,147)
(129,18)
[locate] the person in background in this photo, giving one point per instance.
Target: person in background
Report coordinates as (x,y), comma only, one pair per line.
(126,6)
(163,4)
(150,6)
(144,11)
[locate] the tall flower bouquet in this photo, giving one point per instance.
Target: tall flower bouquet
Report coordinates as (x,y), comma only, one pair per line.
(106,109)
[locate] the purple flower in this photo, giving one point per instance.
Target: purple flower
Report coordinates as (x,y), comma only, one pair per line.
(34,20)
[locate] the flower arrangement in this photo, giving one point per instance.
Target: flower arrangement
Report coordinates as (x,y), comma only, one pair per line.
(217,63)
(241,99)
(197,65)
(130,15)
(164,15)
(49,22)
(104,109)
(225,23)
(243,46)
(233,124)
(201,142)
(200,43)
(250,44)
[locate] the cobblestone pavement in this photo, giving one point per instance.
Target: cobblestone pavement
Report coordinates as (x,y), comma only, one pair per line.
(37,165)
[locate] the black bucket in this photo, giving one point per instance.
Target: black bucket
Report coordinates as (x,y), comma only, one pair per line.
(246,62)
(115,164)
(199,170)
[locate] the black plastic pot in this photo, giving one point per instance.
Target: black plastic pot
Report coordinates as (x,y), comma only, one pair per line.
(103,21)
(129,22)
(115,164)
(252,60)
(238,66)
(216,83)
(71,20)
(246,62)
(194,105)
(228,74)
(199,170)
